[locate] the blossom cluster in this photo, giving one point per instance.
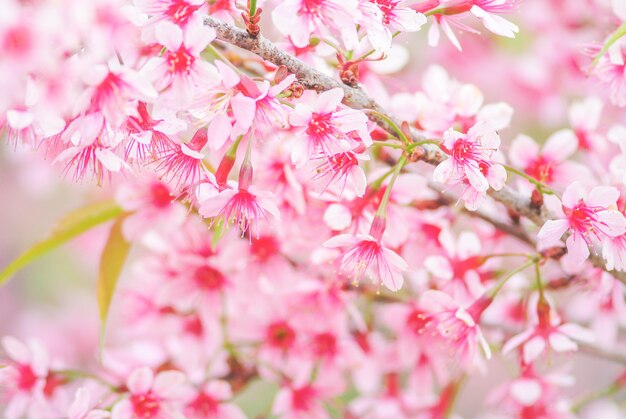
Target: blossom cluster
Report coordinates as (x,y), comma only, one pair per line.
(317,219)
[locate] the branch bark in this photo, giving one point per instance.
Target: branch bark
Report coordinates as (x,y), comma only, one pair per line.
(356,98)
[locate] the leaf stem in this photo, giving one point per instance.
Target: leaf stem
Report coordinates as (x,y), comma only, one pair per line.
(619,32)
(382,208)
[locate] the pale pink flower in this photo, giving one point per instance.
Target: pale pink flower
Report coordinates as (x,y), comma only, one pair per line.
(532,395)
(486,11)
(458,267)
(148,137)
(584,118)
(614,252)
(383,17)
(151,207)
(245,207)
(257,106)
(150,396)
(112,90)
(301,19)
(92,147)
(342,170)
(547,329)
(455,326)
(549,164)
(183,163)
(470,158)
(589,219)
(366,255)
(213,105)
(325,127)
(23,377)
(179,12)
(611,71)
(299,401)
(446,23)
(181,69)
(212,401)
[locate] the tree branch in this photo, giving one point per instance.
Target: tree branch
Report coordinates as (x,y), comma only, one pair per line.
(356,98)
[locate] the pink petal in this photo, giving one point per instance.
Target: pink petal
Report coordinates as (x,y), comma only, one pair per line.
(395,260)
(533,348)
(614,223)
(573,194)
(561,343)
(140,381)
(603,196)
(439,266)
(517,340)
(577,332)
(561,145)
(169,384)
(329,100)
(577,251)
(551,233)
(341,240)
(169,35)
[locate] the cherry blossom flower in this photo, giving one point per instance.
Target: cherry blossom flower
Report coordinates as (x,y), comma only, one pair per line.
(301,19)
(148,137)
(457,327)
(183,163)
(589,219)
(92,148)
(212,401)
(547,329)
(113,87)
(245,206)
(486,11)
(381,17)
(180,68)
(150,204)
(549,165)
(325,127)
(610,72)
(584,118)
(23,377)
(342,170)
(151,396)
(366,255)
(470,159)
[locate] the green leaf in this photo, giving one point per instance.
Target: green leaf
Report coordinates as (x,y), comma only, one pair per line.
(111,263)
(219,229)
(70,226)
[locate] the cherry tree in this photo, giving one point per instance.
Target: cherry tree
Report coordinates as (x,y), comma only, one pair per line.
(320,208)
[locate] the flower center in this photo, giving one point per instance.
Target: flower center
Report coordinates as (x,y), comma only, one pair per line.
(180,11)
(583,218)
(311,7)
(464,151)
(209,278)
(179,61)
(541,169)
(303,398)
(160,195)
(280,335)
(204,406)
(145,406)
(320,125)
(26,377)
(416,321)
(264,248)
(325,345)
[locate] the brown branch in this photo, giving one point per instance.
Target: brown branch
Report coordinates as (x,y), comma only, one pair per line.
(356,98)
